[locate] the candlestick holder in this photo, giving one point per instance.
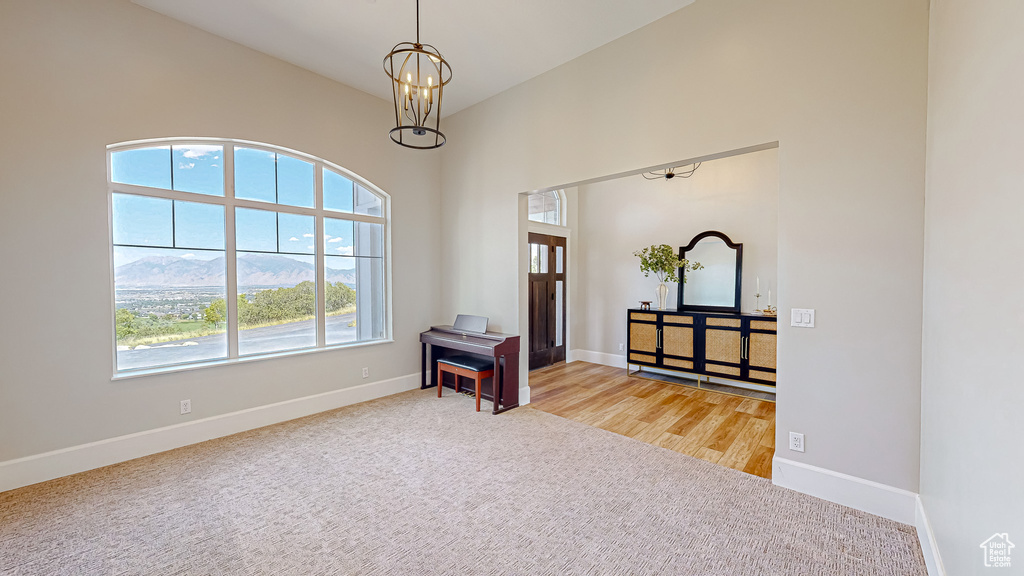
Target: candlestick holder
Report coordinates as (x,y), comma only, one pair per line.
(757,305)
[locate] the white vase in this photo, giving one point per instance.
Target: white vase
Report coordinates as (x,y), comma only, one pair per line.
(662,295)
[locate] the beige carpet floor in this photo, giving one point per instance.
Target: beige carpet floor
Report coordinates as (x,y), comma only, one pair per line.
(410,484)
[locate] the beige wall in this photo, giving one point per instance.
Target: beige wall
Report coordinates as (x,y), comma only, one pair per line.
(842,88)
(81,75)
(738,196)
(971,460)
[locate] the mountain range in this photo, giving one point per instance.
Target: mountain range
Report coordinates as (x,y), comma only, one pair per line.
(253,270)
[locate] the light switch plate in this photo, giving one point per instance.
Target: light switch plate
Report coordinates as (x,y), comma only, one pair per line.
(802,317)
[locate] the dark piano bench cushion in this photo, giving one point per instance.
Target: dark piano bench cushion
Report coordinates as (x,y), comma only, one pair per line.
(474,363)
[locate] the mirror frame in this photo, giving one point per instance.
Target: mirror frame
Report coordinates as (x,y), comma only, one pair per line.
(735,308)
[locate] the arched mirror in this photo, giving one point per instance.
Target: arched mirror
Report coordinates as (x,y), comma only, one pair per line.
(716,287)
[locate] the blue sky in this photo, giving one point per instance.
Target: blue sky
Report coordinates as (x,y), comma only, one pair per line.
(197,228)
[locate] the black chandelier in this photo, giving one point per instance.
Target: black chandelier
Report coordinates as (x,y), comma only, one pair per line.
(418,75)
(671,173)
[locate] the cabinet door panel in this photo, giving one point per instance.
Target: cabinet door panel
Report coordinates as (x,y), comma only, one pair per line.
(643,337)
(727,322)
(676,319)
(762,350)
(720,369)
(634,357)
(677,341)
(722,346)
(676,363)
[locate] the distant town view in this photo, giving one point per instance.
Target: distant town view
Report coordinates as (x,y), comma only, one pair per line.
(175,308)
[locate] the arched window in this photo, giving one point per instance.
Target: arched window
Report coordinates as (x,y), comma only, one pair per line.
(225,249)
(546,207)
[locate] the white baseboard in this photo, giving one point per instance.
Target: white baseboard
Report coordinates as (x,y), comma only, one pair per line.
(929,548)
(524,395)
(614,360)
(49,465)
(865,495)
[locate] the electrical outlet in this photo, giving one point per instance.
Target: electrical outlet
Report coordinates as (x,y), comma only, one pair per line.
(796,441)
(621,346)
(186,406)
(366,372)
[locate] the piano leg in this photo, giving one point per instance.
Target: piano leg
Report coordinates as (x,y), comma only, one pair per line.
(496,384)
(423,366)
(507,380)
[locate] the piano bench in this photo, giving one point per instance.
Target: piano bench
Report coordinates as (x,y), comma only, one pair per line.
(464,365)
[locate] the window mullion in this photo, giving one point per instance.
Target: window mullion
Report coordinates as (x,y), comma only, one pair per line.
(321,261)
(230,258)
(118,188)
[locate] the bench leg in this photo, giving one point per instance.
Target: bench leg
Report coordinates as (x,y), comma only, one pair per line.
(440,377)
(478,380)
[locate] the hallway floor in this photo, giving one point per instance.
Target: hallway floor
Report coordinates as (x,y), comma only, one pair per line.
(731,431)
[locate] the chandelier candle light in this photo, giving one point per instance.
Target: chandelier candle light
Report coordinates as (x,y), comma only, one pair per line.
(418,75)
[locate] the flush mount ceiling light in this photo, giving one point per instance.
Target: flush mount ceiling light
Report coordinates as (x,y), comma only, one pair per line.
(671,173)
(418,75)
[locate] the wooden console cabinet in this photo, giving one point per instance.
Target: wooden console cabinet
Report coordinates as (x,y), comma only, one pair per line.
(734,346)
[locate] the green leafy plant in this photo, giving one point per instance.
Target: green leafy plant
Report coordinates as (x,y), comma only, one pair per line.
(662,261)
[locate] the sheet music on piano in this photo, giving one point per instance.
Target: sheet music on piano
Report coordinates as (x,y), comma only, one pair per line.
(470,323)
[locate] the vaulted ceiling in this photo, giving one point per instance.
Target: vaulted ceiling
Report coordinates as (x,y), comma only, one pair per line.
(490,45)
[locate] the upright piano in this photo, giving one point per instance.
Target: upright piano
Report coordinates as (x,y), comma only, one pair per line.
(503,348)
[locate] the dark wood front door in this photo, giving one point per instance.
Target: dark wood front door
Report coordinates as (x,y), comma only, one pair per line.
(547,300)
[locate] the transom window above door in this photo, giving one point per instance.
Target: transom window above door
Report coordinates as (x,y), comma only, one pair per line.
(546,207)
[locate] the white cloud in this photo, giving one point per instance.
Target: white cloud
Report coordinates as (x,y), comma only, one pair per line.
(307,235)
(199,151)
(293,239)
(335,239)
(183,166)
(344,250)
(309,247)
(189,255)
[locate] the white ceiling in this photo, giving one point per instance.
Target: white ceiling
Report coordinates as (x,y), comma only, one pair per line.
(491,46)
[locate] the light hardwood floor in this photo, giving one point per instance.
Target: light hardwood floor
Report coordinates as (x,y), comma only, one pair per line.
(729,430)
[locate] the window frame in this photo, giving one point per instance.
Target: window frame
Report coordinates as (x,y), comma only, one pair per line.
(230,203)
(559,197)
